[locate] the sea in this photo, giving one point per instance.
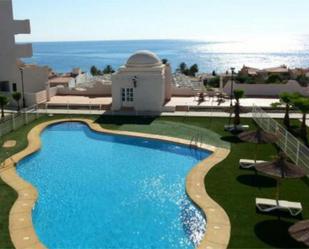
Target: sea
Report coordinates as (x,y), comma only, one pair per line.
(210,56)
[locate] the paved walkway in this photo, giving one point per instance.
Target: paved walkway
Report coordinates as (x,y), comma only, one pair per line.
(78,101)
(165,114)
(213,102)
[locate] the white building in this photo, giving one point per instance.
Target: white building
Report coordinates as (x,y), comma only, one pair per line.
(15,75)
(143,84)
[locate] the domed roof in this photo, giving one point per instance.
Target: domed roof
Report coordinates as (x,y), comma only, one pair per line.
(144,59)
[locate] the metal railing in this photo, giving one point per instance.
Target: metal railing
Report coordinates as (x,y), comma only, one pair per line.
(288,143)
(14,121)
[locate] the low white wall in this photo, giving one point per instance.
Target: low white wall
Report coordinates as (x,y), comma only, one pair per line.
(35,78)
(183,91)
(36,98)
(268,89)
(97,90)
(53,91)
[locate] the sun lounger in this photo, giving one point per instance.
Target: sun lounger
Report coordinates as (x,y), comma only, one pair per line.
(248,163)
(236,128)
(269,205)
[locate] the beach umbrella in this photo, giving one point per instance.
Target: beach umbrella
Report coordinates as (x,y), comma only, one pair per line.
(300,232)
(258,137)
(280,168)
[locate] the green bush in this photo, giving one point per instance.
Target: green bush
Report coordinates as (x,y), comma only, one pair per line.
(274,78)
(303,80)
(214,82)
(245,79)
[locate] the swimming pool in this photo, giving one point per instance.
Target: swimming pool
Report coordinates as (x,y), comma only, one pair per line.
(105,191)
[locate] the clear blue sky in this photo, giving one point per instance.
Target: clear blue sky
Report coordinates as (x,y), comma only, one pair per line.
(69,20)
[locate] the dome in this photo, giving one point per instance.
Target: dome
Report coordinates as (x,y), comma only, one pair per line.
(144,59)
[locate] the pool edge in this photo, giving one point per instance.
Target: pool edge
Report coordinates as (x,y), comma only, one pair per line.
(21,227)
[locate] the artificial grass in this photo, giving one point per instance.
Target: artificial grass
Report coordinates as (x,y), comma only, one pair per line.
(234,189)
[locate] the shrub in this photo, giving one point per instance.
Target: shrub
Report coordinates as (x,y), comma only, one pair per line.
(244,79)
(214,82)
(303,80)
(274,78)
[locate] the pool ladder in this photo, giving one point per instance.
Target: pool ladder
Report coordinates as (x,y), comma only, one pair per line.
(195,143)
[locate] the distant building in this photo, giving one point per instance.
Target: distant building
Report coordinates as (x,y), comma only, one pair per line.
(15,75)
(249,71)
(277,70)
(68,80)
(143,84)
(255,72)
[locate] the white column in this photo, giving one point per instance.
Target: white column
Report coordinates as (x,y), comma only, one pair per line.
(47,91)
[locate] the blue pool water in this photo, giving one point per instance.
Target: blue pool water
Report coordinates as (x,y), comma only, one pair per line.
(103,191)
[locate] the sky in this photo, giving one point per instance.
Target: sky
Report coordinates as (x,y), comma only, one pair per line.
(219,20)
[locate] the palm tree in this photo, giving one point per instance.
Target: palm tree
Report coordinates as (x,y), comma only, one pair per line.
(3,102)
(238,94)
(303,105)
(17,97)
(183,68)
(287,98)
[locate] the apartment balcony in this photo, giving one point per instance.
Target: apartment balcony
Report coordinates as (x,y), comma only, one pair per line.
(24,50)
(21,27)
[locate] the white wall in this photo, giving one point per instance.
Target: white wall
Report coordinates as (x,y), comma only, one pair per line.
(81,78)
(183,91)
(9,51)
(35,78)
(169,80)
(268,89)
(149,93)
(36,98)
(99,90)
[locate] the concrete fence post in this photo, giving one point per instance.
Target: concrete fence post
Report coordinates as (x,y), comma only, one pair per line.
(36,108)
(26,117)
(297,153)
(13,122)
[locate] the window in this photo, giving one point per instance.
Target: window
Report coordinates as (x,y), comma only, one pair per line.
(14,87)
(127,94)
(123,94)
(4,86)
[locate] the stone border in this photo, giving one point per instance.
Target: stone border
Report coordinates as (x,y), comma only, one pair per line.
(21,227)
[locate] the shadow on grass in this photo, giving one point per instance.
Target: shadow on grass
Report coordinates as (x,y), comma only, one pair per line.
(259,181)
(121,120)
(231,139)
(275,234)
(306,180)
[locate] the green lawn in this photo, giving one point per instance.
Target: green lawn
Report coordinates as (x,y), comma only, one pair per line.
(231,187)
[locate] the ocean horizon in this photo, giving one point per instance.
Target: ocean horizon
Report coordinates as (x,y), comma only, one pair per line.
(209,55)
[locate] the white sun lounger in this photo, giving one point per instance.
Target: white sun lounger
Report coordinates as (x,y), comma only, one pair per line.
(269,205)
(237,127)
(248,163)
